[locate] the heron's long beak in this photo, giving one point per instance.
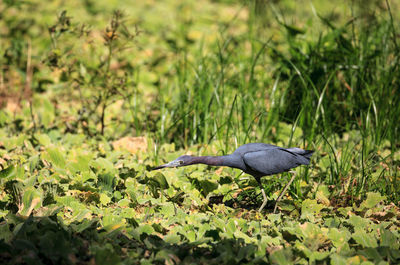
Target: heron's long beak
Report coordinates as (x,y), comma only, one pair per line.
(170,164)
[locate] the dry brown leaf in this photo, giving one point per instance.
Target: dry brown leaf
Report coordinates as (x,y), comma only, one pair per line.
(131,144)
(13,106)
(219,171)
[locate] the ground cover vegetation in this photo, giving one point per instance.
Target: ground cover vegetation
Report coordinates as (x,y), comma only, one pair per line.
(92,98)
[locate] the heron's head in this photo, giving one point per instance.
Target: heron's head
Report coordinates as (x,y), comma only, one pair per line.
(179,162)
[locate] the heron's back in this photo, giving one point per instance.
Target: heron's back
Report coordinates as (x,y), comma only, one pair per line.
(266,159)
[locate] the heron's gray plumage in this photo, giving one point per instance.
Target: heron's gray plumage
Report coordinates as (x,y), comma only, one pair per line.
(256,159)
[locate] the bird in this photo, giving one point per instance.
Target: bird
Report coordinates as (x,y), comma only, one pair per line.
(256,159)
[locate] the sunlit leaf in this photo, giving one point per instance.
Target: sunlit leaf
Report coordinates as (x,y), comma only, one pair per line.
(30,200)
(43,139)
(310,209)
(372,200)
(364,239)
(56,157)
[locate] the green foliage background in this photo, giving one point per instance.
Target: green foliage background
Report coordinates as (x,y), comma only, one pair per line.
(91,98)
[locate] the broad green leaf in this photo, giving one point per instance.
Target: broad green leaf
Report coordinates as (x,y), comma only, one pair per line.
(30,200)
(104,199)
(33,163)
(191,235)
(4,118)
(167,256)
(122,203)
(102,163)
(14,142)
(43,139)
(371,254)
(5,173)
(48,210)
(230,227)
(46,110)
(73,139)
(281,257)
(168,210)
(247,239)
(81,214)
(145,228)
(106,182)
(313,255)
(322,195)
(310,209)
(111,221)
(55,156)
(81,164)
(339,238)
(172,239)
(345,211)
(3,213)
(359,223)
(336,259)
(105,254)
(82,226)
(207,186)
(364,239)
(161,180)
(131,191)
(5,233)
(372,200)
(388,239)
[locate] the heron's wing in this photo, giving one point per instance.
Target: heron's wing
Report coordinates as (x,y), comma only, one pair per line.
(253,147)
(272,161)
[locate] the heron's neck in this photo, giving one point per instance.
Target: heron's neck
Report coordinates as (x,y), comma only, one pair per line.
(208,160)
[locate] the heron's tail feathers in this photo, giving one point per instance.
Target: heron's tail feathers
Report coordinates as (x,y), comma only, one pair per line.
(306,154)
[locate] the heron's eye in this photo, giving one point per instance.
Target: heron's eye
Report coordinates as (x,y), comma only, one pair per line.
(180,162)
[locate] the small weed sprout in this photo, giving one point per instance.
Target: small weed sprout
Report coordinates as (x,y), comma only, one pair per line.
(98,84)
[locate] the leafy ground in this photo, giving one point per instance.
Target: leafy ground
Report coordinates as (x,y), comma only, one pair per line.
(92,98)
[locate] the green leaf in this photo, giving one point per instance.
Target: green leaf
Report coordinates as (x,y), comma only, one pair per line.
(207,186)
(339,238)
(372,200)
(81,164)
(56,157)
(359,223)
(30,200)
(106,182)
(161,180)
(388,239)
(4,118)
(323,194)
(364,239)
(104,199)
(105,254)
(123,203)
(371,254)
(43,139)
(281,257)
(167,256)
(112,221)
(309,209)
(5,173)
(102,163)
(172,239)
(336,259)
(145,228)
